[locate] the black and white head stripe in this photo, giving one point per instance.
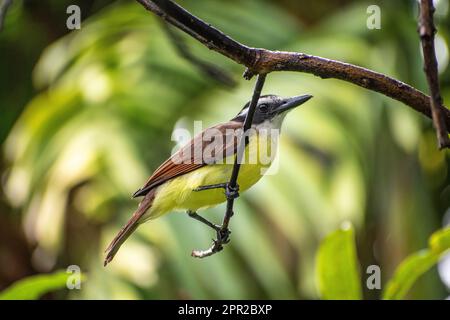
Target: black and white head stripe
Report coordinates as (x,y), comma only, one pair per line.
(268,98)
(271,108)
(265,104)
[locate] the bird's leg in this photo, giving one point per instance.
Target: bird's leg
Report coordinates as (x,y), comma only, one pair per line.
(211,186)
(221,234)
(222,231)
(230,192)
(196,216)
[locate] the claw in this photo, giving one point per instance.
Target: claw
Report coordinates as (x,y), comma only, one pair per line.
(231,192)
(223,235)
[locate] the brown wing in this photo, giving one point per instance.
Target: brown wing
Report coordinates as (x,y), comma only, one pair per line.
(210,146)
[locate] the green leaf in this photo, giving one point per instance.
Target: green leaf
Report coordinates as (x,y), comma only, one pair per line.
(416,265)
(440,241)
(337,266)
(407,273)
(33,287)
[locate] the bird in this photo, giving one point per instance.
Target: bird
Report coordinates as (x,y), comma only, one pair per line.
(181,182)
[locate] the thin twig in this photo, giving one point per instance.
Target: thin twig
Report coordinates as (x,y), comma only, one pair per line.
(232,186)
(427,30)
(207,68)
(3,10)
(260,61)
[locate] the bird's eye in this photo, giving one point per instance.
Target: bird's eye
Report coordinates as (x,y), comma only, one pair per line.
(264,108)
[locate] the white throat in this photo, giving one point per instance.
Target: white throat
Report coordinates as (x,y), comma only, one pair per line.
(274,123)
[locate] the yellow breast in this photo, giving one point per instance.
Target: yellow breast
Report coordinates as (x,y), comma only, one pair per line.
(179,194)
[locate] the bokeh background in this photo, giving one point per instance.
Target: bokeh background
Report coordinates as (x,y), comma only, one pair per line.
(87,115)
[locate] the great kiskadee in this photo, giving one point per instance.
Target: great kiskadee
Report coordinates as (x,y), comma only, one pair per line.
(208,160)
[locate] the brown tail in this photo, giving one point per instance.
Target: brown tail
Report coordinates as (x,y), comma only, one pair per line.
(129,228)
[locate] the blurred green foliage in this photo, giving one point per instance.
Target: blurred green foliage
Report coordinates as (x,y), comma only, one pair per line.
(337,270)
(337,266)
(34,287)
(417,264)
(89,114)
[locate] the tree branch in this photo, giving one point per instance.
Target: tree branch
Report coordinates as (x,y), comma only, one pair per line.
(427,31)
(259,61)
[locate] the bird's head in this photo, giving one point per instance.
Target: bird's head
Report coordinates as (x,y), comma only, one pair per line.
(272,108)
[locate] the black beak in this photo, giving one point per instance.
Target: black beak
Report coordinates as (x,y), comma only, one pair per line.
(290,103)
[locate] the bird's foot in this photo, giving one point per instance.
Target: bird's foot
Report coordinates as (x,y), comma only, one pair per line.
(222,232)
(223,237)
